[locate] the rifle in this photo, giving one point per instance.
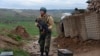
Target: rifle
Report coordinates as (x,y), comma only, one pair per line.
(42,25)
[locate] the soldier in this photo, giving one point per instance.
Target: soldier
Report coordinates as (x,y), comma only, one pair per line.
(45,36)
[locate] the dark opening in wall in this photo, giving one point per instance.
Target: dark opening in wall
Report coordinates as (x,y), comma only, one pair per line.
(62,29)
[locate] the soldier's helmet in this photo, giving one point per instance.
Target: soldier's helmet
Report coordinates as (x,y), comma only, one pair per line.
(43,9)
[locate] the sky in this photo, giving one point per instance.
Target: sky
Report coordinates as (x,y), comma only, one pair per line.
(49,4)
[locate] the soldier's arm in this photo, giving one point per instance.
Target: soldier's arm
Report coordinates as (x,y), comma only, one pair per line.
(36,23)
(51,22)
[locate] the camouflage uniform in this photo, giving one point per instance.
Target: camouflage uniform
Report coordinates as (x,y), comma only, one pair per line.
(45,38)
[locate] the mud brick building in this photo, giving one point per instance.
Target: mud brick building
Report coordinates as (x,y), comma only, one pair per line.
(86,26)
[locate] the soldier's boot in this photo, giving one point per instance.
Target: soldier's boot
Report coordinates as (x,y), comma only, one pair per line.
(41,54)
(42,51)
(47,54)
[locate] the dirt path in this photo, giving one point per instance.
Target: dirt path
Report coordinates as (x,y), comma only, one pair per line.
(33,48)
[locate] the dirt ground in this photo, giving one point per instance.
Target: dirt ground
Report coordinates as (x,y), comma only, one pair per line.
(21,31)
(6,42)
(79,47)
(83,49)
(95,52)
(33,48)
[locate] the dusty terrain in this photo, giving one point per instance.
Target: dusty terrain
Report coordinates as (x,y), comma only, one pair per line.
(21,31)
(33,48)
(95,52)
(89,48)
(79,47)
(6,42)
(86,48)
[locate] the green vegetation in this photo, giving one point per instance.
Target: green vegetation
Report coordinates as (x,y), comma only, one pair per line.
(10,19)
(18,52)
(5,28)
(29,26)
(16,37)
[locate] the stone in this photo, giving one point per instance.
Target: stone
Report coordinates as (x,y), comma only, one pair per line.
(64,52)
(7,53)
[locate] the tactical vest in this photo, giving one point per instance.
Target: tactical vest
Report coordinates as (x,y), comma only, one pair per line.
(45,18)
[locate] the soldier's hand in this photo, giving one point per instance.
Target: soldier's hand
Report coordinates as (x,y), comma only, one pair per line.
(36,24)
(50,27)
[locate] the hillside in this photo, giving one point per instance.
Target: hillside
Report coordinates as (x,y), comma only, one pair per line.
(15,15)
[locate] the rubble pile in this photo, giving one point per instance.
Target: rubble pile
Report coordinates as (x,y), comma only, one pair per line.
(21,31)
(94,5)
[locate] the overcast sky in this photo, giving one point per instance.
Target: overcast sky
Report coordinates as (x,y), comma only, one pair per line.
(49,4)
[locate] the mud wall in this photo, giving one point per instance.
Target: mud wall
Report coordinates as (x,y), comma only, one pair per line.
(86,26)
(92,25)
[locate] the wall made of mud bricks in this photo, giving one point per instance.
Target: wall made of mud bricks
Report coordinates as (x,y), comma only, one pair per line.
(92,26)
(84,26)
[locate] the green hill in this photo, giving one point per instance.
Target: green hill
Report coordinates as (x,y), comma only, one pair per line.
(14,15)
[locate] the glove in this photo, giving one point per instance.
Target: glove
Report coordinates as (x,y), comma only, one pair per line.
(50,27)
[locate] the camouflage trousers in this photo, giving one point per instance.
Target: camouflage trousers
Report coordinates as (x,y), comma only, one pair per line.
(44,42)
